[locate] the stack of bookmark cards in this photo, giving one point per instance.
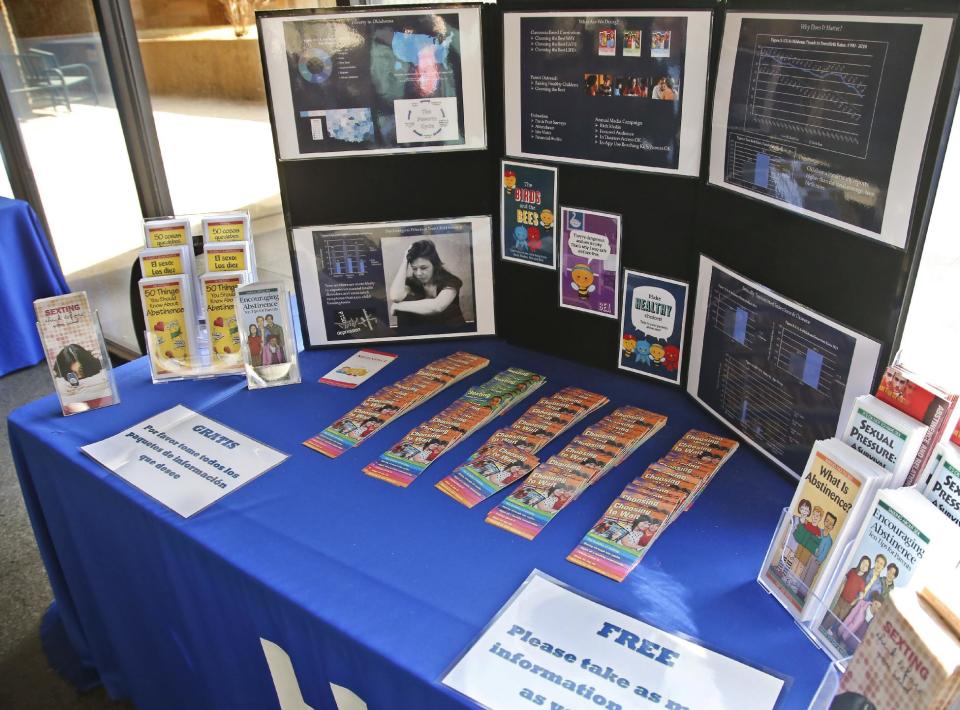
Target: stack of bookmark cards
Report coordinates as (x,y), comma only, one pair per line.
(509,454)
(558,482)
(408,458)
(620,539)
(393,401)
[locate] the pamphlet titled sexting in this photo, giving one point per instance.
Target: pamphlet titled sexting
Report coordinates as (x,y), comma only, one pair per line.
(183,459)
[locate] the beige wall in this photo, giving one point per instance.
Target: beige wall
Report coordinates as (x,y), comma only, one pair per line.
(45,18)
(157,14)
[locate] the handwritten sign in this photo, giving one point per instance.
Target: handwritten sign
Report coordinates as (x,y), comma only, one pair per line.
(183,459)
(551,648)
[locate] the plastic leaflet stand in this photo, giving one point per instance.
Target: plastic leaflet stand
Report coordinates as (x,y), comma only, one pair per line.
(178,343)
(265,316)
(817,610)
(828,686)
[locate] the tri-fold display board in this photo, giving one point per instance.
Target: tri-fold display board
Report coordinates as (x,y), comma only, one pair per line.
(777,160)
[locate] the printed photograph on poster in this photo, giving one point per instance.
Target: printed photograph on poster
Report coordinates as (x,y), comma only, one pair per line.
(777,372)
(395,280)
(827,115)
(528,211)
(589,261)
(374,82)
(611,89)
(651,325)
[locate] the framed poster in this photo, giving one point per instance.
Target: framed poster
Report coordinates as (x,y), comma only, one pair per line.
(651,326)
(589,261)
(780,374)
(828,115)
(612,89)
(528,214)
(363,283)
(364,82)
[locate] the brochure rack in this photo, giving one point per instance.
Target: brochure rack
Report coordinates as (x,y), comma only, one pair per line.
(200,367)
(195,368)
(818,607)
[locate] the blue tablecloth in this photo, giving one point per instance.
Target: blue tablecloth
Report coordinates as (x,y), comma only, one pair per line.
(28,271)
(368,586)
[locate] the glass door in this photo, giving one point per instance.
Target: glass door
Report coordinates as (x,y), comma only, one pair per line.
(202,64)
(56,79)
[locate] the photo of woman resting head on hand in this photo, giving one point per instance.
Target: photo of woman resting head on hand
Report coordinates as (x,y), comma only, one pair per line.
(424,296)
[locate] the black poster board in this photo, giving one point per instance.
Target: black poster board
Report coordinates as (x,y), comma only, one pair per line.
(858,281)
(667,220)
(386,188)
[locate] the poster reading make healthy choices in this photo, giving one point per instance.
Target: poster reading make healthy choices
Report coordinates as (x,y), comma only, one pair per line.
(617,90)
(528,211)
(375,82)
(651,325)
(827,115)
(589,261)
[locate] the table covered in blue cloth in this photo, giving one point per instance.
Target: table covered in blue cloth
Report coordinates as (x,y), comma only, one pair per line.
(365,585)
(28,271)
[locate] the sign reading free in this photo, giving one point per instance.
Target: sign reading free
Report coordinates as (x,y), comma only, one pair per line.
(549,647)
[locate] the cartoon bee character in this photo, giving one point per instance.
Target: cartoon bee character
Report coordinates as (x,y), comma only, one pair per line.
(629,345)
(583,280)
(509,180)
(656,353)
(546,218)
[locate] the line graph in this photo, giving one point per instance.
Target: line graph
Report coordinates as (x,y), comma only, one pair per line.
(816,91)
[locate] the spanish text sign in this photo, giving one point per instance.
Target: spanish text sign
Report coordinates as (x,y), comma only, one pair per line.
(551,648)
(183,459)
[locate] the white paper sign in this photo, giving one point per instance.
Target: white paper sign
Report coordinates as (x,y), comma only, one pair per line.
(551,648)
(183,459)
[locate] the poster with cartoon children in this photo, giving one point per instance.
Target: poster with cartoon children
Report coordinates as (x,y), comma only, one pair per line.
(589,261)
(651,325)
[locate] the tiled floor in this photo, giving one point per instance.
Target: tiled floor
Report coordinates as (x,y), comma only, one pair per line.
(26,680)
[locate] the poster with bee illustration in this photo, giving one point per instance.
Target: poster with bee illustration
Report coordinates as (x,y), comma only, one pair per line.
(589,261)
(651,326)
(528,209)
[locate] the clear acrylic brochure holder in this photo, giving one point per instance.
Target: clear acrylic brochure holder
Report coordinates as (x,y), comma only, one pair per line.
(201,365)
(821,623)
(828,686)
(286,372)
